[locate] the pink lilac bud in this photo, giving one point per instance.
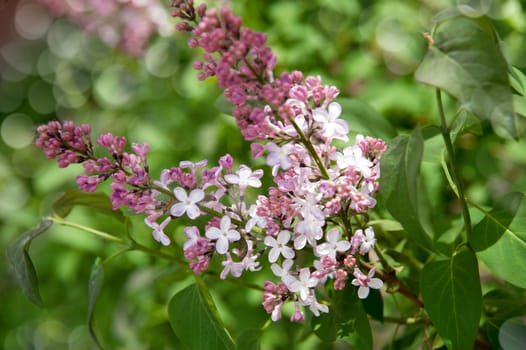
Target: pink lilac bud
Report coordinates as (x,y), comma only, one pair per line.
(200,265)
(88,183)
(297,315)
(340,278)
(226,162)
(328,262)
(349,261)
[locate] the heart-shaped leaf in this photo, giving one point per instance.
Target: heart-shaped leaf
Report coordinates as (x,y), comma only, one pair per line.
(465,60)
(453,298)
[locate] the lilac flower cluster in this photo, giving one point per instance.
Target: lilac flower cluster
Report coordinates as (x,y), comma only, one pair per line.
(311,224)
(128,171)
(125,23)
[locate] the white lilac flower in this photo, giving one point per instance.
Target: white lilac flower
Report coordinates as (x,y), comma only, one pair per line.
(331,126)
(234,268)
(255,220)
(333,245)
(368,240)
(308,230)
(278,157)
(314,306)
(284,270)
(250,260)
(223,235)
(308,206)
(158,230)
(279,246)
(353,157)
(187,203)
(301,285)
(364,282)
(245,177)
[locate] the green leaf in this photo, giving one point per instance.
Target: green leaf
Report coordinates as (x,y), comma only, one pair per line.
(195,320)
(386,225)
(21,264)
(495,223)
(346,319)
(399,187)
(466,61)
(453,298)
(98,201)
(362,337)
(501,234)
(363,119)
(250,339)
(374,305)
(94,286)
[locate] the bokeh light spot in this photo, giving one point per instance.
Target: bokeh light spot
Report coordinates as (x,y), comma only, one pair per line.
(161,59)
(114,87)
(64,39)
(32,21)
(17,130)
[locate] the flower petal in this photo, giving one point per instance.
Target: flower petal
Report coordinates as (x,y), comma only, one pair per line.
(180,194)
(197,195)
(363,292)
(222,245)
(273,255)
(376,283)
(178,209)
(193,211)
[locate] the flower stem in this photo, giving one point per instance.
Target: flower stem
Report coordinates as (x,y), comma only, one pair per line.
(311,149)
(104,235)
(444,130)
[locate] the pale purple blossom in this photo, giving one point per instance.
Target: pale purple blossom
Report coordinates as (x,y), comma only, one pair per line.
(278,157)
(158,230)
(223,235)
(187,203)
(364,282)
(284,269)
(245,177)
(353,157)
(368,240)
(314,306)
(279,246)
(302,285)
(331,126)
(333,244)
(234,268)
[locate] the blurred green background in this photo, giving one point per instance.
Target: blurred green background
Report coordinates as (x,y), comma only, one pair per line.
(50,69)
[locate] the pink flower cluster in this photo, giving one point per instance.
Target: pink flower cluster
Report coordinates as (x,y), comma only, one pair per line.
(128,171)
(128,24)
(317,207)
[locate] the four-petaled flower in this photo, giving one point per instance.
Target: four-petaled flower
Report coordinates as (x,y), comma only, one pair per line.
(279,246)
(364,282)
(187,203)
(278,157)
(368,240)
(245,177)
(301,285)
(158,230)
(331,126)
(353,157)
(223,235)
(332,246)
